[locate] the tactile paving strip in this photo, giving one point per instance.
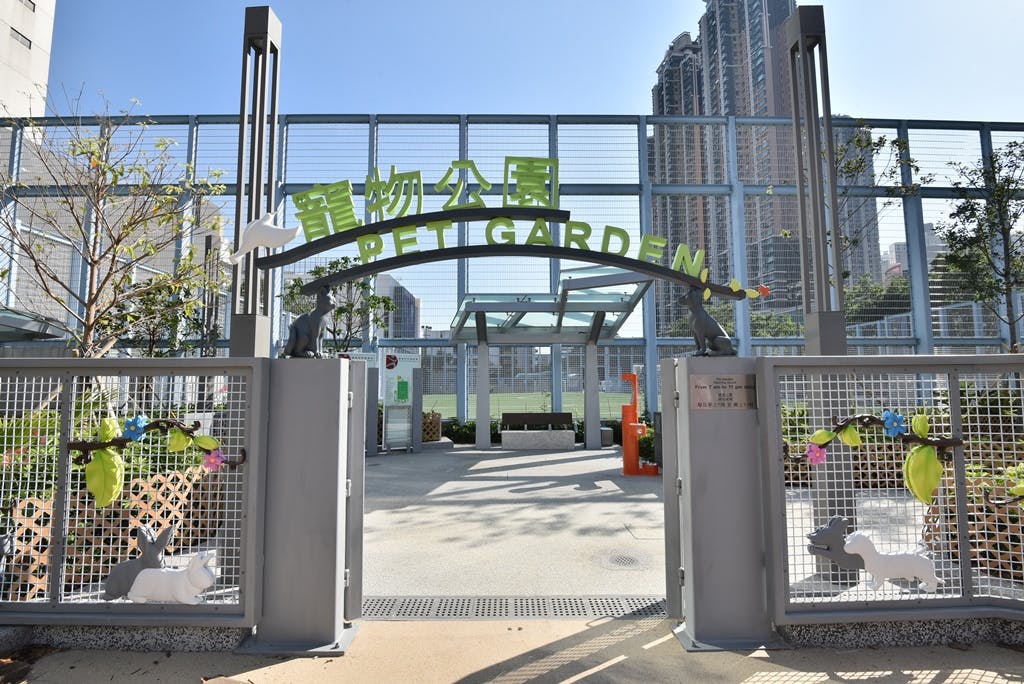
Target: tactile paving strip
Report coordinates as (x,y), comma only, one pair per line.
(498,607)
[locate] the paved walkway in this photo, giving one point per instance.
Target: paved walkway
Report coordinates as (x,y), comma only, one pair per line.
(470,523)
(463,522)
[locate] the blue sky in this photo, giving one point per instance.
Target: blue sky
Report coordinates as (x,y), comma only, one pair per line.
(924,59)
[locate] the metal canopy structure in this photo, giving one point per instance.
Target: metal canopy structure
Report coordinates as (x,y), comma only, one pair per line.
(19,326)
(591,305)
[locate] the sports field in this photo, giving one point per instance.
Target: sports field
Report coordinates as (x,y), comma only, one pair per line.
(611,403)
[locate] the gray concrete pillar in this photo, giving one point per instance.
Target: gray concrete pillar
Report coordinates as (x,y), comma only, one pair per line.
(591,398)
(483,396)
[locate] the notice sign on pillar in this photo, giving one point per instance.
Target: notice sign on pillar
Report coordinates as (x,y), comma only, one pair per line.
(397,377)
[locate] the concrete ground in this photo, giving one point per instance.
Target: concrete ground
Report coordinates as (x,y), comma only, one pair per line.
(472,523)
(463,522)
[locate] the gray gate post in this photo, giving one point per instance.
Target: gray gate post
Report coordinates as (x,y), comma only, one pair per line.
(721,522)
(372,398)
(304,572)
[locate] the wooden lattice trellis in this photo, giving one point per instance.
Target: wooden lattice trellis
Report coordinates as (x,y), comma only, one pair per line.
(97,539)
(996,534)
(431,427)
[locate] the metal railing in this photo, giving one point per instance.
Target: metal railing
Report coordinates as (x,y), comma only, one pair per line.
(722,183)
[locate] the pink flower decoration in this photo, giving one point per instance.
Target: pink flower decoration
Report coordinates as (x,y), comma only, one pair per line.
(815,454)
(214,460)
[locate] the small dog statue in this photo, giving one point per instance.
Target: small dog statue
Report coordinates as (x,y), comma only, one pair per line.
(175,585)
(306,333)
(829,540)
(882,566)
(709,336)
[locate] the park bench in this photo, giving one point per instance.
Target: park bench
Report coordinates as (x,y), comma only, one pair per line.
(516,432)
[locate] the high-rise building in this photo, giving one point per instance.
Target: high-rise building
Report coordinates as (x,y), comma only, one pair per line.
(732,69)
(676,156)
(404,321)
(26,33)
(738,66)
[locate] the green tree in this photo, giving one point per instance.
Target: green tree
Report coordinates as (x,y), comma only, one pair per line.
(105,196)
(867,300)
(170,316)
(357,310)
(762,323)
(863,160)
(984,231)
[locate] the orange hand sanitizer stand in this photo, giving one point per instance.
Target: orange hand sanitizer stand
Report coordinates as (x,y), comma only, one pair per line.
(632,430)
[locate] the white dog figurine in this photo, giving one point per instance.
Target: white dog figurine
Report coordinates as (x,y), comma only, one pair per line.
(882,566)
(174,585)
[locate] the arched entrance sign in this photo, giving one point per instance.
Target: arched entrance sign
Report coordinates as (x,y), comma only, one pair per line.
(500,242)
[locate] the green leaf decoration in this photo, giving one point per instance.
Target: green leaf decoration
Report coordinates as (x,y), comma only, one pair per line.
(177,440)
(110,428)
(850,436)
(822,437)
(104,476)
(922,472)
(206,443)
(1017,490)
(919,424)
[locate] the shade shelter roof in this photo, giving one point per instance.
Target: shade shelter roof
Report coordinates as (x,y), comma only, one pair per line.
(20,326)
(591,304)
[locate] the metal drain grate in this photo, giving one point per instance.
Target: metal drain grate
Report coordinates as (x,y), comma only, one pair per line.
(498,607)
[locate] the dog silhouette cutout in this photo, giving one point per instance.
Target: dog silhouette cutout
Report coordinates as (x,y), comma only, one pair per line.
(883,566)
(829,541)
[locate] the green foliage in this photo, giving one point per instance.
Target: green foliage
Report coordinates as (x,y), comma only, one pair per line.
(465,433)
(645,446)
(762,323)
(168,313)
(126,201)
(867,300)
(864,160)
(984,232)
(358,308)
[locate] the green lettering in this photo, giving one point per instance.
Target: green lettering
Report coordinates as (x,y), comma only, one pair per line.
(405,240)
(369,247)
(576,234)
(651,248)
(508,236)
(616,232)
(683,262)
(539,234)
(438,228)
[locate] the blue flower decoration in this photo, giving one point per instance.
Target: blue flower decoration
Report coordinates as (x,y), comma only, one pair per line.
(135,428)
(894,423)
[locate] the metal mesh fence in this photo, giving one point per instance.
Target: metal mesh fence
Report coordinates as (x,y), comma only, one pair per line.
(59,545)
(684,194)
(965,543)
(863,484)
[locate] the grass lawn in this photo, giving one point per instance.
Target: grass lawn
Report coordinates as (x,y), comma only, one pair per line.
(611,403)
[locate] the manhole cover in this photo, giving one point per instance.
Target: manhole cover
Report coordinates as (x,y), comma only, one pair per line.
(625,560)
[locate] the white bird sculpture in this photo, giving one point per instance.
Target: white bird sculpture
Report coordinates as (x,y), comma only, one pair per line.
(262,233)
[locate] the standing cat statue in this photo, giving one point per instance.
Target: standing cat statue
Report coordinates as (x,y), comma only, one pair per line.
(175,585)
